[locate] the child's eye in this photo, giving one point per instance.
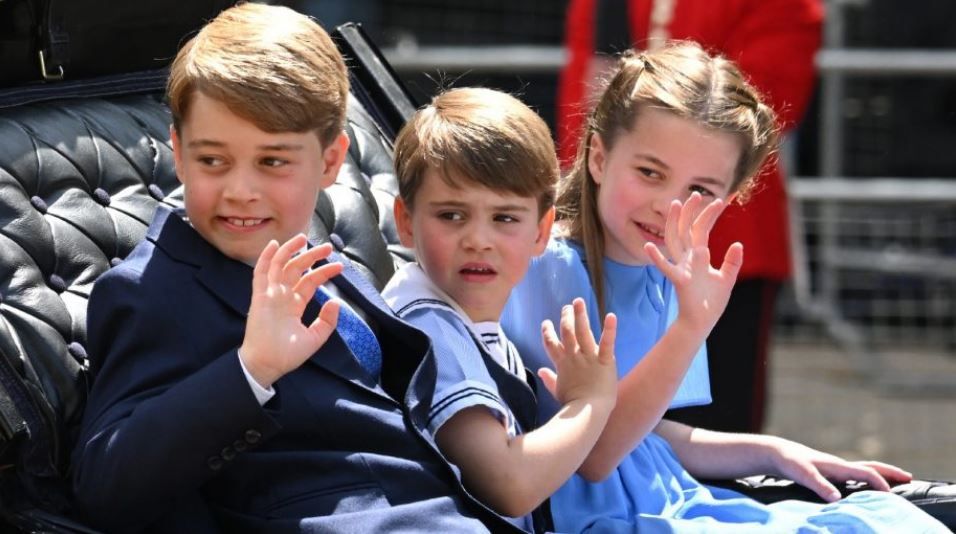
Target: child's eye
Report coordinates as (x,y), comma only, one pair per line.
(451,216)
(504,218)
(704,192)
(273,162)
(210,161)
(649,173)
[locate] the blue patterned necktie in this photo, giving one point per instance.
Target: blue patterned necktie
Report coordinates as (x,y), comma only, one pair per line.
(357,335)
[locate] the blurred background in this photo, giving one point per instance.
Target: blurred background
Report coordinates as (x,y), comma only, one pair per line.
(863,359)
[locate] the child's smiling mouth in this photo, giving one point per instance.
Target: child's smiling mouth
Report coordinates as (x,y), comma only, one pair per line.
(653,231)
(243,222)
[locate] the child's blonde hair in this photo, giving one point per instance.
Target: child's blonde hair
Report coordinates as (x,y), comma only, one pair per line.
(486,137)
(269,65)
(685,80)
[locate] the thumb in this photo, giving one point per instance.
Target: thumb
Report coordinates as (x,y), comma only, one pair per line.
(550,380)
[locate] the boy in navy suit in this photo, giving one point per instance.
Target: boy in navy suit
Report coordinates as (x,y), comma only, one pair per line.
(237,382)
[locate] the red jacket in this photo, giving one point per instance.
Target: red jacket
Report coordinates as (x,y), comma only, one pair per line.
(773,42)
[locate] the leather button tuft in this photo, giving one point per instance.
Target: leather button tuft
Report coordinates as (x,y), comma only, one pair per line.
(155,191)
(39,204)
(215,463)
(77,351)
(337,242)
(56,283)
(101,196)
(253,436)
(115,261)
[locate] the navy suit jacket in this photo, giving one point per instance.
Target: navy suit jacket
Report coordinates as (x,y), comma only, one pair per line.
(173,437)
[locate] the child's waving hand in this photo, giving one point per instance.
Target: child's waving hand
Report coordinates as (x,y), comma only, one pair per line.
(585,369)
(702,291)
(276,342)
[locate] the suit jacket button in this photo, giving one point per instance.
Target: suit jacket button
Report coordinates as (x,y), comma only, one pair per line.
(240,446)
(253,436)
(215,463)
(228,453)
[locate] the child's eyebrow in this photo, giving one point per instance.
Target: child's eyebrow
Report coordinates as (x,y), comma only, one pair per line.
(653,159)
(709,180)
(716,182)
(277,147)
(458,204)
(281,147)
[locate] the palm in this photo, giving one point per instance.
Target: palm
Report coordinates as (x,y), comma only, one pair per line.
(702,291)
(283,283)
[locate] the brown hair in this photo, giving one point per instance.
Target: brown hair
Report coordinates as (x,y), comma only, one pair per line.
(487,137)
(269,65)
(685,80)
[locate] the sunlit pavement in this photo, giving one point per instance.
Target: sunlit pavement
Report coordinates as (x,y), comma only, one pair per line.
(818,398)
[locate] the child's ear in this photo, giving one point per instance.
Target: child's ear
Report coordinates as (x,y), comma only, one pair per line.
(177,152)
(544,231)
(333,156)
(403,223)
(597,158)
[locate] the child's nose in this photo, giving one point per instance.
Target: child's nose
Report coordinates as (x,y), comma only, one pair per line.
(477,237)
(241,185)
(661,203)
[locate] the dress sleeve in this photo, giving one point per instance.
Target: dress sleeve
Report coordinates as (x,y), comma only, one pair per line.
(694,390)
(463,379)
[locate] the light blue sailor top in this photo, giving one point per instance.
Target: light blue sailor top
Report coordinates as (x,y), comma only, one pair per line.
(464,379)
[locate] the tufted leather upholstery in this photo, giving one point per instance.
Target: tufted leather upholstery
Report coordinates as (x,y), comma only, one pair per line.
(80,179)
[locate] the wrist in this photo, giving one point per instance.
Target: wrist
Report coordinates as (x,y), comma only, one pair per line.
(690,330)
(598,405)
(771,451)
(262,375)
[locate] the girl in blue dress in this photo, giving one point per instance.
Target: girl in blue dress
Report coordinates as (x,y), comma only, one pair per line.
(675,135)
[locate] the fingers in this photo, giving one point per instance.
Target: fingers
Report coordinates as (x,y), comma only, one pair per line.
(672,238)
(325,323)
(864,473)
(582,327)
(661,262)
(733,260)
(890,472)
(282,256)
(608,337)
(300,263)
(688,218)
(263,264)
(814,480)
(568,338)
(552,345)
(550,380)
(704,222)
(311,280)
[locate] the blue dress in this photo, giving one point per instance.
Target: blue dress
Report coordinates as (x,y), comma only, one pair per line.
(650,491)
